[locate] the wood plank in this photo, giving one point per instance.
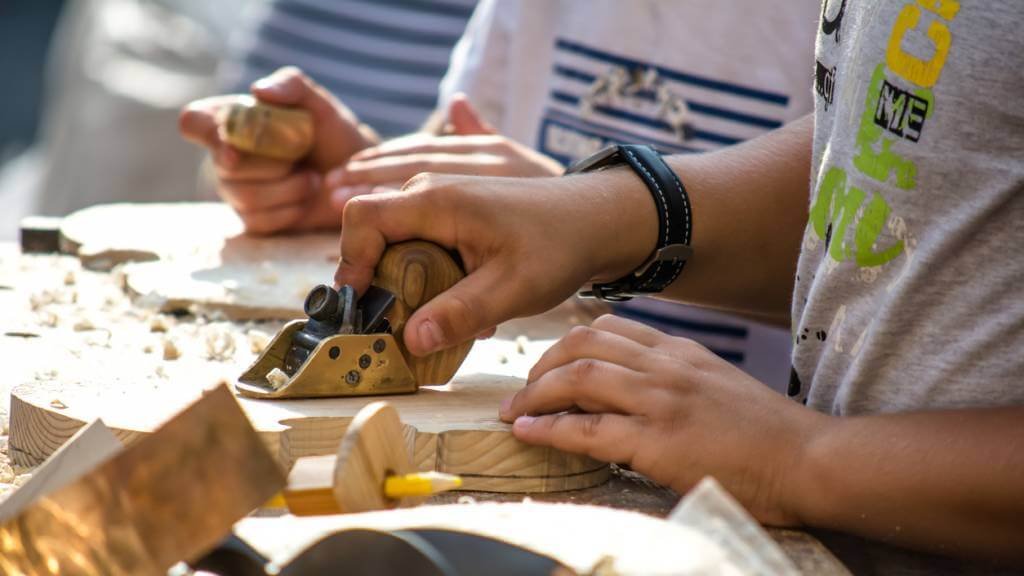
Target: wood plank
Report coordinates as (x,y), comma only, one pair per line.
(196,257)
(456,425)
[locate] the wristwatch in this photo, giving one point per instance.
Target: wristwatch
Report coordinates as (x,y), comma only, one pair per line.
(675,222)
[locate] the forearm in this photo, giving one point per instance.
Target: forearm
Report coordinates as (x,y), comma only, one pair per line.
(950,482)
(749,212)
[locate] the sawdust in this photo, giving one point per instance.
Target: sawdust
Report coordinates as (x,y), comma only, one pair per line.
(171,351)
(159,323)
(277,378)
(521,342)
(258,341)
(83,325)
(69,278)
(220,344)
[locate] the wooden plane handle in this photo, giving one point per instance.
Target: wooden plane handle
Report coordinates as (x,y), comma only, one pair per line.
(415,272)
(266,130)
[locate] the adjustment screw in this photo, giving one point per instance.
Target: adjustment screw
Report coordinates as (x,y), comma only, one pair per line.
(352,378)
(334,352)
(379,345)
(364,361)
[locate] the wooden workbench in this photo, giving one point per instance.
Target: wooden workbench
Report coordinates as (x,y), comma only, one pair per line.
(22,276)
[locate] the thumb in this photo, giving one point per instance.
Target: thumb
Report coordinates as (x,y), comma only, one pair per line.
(477,303)
(464,118)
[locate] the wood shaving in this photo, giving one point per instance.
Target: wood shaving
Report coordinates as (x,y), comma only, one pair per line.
(69,278)
(521,342)
(258,341)
(41,299)
(161,372)
(148,349)
(220,344)
(171,351)
(83,325)
(56,403)
(159,323)
(6,473)
(50,374)
(47,318)
(502,359)
(277,378)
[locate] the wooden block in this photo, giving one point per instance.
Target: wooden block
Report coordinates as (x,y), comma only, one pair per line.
(40,234)
(456,427)
(166,498)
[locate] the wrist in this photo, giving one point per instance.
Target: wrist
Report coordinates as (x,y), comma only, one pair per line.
(623,223)
(807,490)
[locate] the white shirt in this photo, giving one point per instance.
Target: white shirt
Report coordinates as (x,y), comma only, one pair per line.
(569,77)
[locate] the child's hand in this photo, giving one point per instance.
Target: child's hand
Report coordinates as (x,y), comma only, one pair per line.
(273,195)
(473,148)
(671,409)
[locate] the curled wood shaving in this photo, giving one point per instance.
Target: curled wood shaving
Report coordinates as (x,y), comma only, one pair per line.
(521,342)
(277,378)
(158,323)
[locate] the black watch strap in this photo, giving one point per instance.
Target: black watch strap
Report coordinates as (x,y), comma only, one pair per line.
(675,222)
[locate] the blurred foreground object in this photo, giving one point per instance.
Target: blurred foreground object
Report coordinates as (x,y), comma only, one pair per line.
(267,130)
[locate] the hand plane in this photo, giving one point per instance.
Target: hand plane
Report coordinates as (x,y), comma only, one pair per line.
(352,345)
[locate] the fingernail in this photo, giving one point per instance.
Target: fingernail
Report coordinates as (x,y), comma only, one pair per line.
(430,336)
(523,422)
(267,84)
(506,405)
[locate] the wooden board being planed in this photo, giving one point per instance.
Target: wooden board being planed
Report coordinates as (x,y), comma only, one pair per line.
(195,257)
(452,428)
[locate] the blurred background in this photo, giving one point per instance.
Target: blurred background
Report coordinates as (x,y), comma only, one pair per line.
(93,87)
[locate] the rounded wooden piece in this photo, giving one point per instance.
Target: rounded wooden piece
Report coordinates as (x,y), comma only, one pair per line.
(415,272)
(373,448)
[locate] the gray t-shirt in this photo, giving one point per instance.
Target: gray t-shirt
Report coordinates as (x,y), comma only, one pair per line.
(910,286)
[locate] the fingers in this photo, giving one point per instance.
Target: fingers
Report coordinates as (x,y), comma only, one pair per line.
(474,305)
(464,118)
(425,144)
(340,196)
(585,342)
(273,220)
(605,437)
(289,86)
(589,384)
(197,122)
(635,331)
(262,195)
(386,169)
(366,231)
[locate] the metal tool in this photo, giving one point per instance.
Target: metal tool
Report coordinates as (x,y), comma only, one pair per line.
(351,345)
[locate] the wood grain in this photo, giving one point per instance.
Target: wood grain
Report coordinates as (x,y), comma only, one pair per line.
(266,130)
(373,449)
(416,272)
(452,428)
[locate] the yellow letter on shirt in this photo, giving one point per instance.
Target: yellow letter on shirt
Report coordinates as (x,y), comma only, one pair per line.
(924,73)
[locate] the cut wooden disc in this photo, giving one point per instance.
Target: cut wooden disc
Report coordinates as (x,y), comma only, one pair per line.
(373,449)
